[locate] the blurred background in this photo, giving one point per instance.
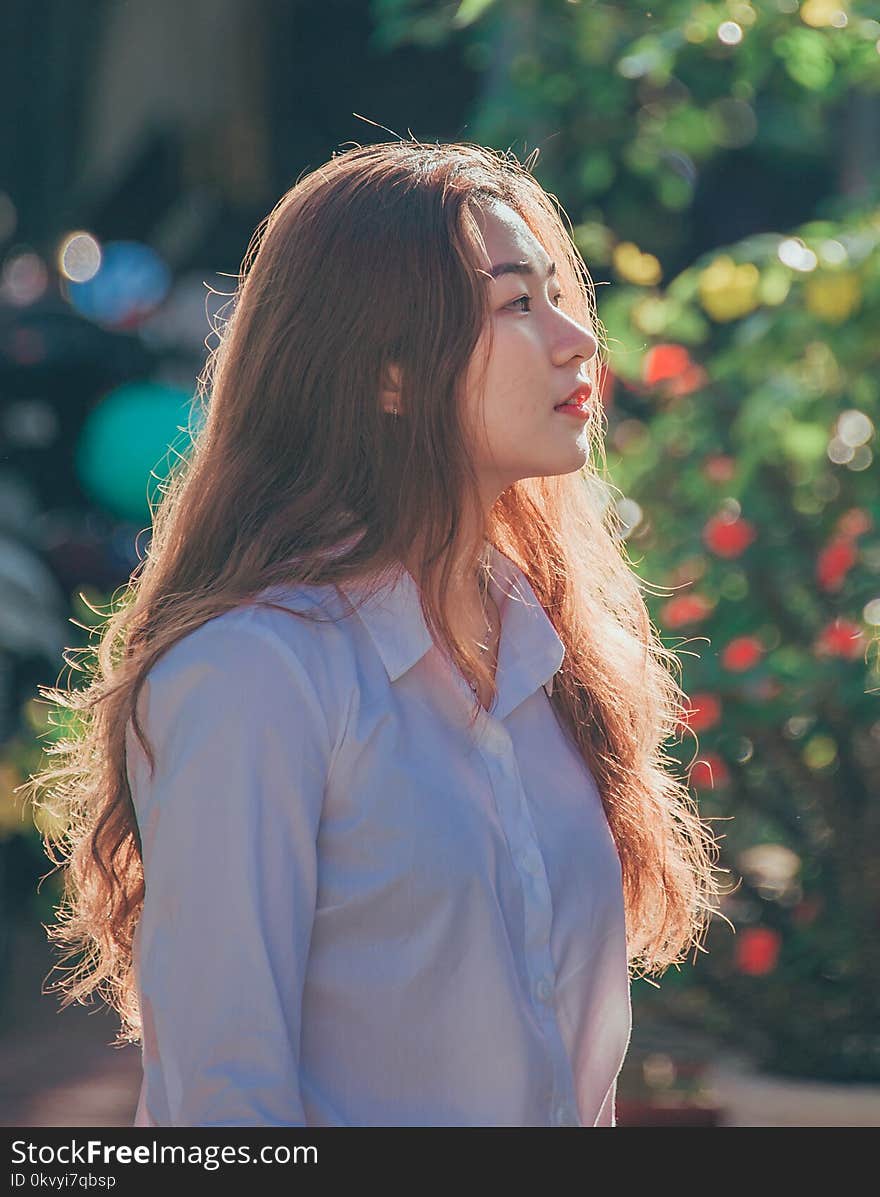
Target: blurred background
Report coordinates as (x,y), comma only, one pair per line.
(720,165)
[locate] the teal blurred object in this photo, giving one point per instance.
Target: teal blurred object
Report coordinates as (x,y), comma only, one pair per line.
(124,449)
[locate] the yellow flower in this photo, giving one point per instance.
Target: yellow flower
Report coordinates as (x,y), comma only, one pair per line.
(833,297)
(634,266)
(728,290)
(820,13)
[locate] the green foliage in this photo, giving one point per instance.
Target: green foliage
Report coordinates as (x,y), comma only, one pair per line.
(652,92)
(776,429)
(743,405)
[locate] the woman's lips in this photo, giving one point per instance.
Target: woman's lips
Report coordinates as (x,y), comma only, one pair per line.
(578,402)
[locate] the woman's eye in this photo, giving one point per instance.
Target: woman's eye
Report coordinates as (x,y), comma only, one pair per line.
(557,299)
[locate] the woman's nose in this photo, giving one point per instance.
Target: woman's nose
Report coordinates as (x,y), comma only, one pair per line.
(590,343)
(577,341)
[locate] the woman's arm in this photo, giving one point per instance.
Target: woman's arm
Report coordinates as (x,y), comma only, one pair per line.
(229,825)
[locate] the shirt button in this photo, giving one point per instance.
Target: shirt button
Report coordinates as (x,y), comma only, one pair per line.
(544,989)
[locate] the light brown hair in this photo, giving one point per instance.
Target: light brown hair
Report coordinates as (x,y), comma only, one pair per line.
(368,261)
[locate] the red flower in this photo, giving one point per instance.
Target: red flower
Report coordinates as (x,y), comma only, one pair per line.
(664,362)
(690,381)
(719,468)
(841,638)
(728,536)
(704,712)
(742,653)
(757,950)
(708,772)
(687,608)
(835,561)
(672,366)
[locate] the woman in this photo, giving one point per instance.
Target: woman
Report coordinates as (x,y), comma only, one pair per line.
(371,821)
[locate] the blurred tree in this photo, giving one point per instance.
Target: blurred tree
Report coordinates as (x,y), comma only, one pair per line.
(750,491)
(720,165)
(682,124)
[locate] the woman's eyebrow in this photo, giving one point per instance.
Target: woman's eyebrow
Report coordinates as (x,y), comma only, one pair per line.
(522,267)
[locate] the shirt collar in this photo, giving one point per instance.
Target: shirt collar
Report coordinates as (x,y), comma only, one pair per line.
(530,650)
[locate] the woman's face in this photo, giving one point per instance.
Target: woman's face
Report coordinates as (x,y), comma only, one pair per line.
(537,358)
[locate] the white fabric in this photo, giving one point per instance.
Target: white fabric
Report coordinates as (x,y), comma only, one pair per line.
(357,913)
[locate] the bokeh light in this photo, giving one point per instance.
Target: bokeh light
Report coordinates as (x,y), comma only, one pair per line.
(132,281)
(24,277)
(832,252)
(854,428)
(819,14)
(792,252)
(630,514)
(729,290)
(79,257)
(631,264)
(123,452)
(729,33)
(771,868)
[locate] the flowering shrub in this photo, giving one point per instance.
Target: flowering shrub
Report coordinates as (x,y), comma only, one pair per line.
(769,467)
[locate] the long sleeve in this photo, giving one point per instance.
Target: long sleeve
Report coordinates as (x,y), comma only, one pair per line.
(229,827)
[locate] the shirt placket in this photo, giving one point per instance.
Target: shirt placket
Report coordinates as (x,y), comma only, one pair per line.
(496,747)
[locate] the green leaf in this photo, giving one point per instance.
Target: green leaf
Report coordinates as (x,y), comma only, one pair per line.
(804,442)
(806,58)
(469,11)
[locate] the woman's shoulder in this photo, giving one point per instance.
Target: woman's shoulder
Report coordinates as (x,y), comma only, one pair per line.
(297,627)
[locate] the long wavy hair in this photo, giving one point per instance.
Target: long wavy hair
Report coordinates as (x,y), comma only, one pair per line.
(371,260)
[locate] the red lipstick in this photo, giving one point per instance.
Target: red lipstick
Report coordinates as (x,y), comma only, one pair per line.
(578,402)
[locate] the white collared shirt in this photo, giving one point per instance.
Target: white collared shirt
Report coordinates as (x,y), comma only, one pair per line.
(357,912)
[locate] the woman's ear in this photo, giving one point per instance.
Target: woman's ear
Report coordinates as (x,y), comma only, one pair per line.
(390,389)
